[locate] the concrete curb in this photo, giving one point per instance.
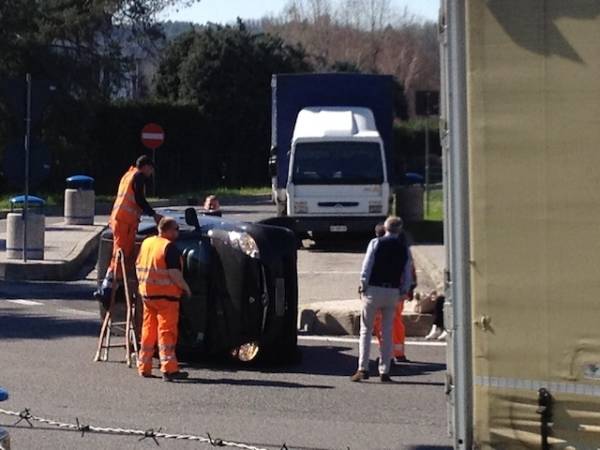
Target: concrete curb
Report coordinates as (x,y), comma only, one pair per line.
(342,317)
(54,270)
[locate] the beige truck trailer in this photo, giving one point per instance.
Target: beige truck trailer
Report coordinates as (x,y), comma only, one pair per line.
(521,134)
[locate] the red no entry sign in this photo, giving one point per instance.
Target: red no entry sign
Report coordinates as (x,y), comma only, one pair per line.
(152,136)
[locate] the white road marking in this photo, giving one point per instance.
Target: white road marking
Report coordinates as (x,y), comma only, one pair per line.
(354,340)
(25,302)
(78,312)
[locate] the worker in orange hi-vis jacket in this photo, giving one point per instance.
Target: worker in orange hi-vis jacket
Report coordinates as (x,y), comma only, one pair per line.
(159,270)
(399,330)
(127,210)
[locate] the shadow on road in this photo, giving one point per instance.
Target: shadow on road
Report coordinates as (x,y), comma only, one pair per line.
(16,324)
(335,361)
(46,290)
(254,383)
(320,360)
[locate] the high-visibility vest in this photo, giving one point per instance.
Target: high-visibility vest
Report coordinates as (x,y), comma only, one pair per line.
(126,209)
(152,272)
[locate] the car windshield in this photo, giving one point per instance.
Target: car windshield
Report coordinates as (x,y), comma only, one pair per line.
(338,163)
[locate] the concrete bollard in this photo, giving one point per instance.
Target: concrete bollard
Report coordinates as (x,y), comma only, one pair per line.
(409,203)
(80,206)
(36,227)
(80,200)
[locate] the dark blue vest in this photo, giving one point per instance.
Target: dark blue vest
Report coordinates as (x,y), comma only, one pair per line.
(390,256)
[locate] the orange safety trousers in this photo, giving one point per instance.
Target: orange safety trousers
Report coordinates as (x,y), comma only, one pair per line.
(123,239)
(399,331)
(161,319)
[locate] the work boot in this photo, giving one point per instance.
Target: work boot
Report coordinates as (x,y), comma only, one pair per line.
(359,376)
(434,333)
(174,376)
(385,378)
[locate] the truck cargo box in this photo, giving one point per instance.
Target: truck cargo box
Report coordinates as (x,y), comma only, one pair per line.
(533,131)
(292,93)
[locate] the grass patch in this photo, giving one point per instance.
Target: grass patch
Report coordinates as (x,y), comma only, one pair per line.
(435,210)
(234,192)
(58,199)
(50,199)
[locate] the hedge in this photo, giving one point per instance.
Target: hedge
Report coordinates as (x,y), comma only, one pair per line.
(200,151)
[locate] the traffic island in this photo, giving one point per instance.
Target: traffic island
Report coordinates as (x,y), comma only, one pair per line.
(67,248)
(335,318)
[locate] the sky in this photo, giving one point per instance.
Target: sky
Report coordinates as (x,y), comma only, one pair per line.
(224,11)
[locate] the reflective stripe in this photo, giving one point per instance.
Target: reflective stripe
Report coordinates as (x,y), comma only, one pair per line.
(152,271)
(535,385)
(129,197)
(129,209)
(165,358)
(166,347)
(155,282)
(146,270)
(125,208)
(145,360)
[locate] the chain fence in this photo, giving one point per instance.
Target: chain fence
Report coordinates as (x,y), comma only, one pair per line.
(27,417)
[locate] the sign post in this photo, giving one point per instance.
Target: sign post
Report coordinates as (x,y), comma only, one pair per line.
(427,104)
(27,102)
(27,142)
(153,137)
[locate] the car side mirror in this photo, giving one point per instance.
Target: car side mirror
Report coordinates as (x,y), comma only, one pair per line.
(191,218)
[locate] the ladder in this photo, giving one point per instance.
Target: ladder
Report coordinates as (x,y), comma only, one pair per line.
(128,327)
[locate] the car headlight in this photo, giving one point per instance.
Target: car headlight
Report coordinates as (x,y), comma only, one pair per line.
(300,207)
(245,243)
(375,207)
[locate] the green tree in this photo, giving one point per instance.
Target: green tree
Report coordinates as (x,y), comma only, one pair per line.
(226,71)
(75,43)
(78,45)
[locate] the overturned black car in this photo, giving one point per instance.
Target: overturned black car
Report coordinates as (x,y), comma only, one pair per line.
(243,278)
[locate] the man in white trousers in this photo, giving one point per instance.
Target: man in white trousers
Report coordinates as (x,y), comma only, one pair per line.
(385,277)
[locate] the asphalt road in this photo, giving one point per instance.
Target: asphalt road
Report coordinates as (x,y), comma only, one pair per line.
(48,336)
(327,271)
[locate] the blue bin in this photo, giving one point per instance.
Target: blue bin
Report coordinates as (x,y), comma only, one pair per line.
(3,395)
(34,203)
(414,178)
(82,182)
